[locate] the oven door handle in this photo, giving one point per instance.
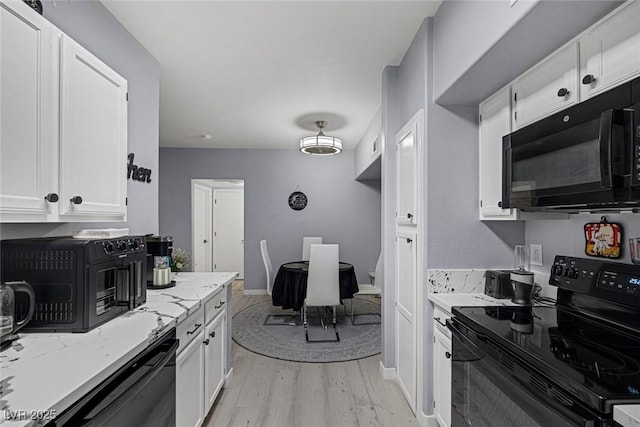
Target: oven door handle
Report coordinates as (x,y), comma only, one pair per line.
(119,400)
(471,348)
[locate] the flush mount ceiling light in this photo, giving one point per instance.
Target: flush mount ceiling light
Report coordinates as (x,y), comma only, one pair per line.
(320,144)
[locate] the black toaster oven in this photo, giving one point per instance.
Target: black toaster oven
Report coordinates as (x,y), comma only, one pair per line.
(78,283)
(497,284)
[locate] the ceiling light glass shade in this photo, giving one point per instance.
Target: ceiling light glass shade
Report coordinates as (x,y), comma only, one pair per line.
(321,144)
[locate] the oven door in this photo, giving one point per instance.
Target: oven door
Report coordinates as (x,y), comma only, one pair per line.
(140,394)
(492,388)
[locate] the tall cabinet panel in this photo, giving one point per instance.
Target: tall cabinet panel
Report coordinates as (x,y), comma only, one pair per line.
(406,315)
(409,225)
(93,127)
(26,122)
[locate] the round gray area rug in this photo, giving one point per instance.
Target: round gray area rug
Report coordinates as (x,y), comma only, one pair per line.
(280,340)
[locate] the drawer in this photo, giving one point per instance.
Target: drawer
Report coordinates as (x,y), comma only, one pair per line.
(190,327)
(440,317)
(215,305)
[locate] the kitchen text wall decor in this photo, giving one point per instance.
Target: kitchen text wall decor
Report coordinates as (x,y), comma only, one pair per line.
(136,172)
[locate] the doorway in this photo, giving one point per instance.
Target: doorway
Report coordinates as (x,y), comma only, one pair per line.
(218,225)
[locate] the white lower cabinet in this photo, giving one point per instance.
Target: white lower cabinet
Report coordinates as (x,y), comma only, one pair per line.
(200,363)
(442,377)
(214,359)
(190,384)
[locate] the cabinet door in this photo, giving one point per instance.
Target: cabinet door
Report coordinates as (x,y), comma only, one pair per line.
(93,137)
(406,327)
(609,53)
(214,362)
(27,125)
(190,384)
(549,87)
(408,139)
(442,378)
(495,122)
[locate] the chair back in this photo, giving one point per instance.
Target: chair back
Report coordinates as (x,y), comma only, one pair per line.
(306,244)
(267,265)
(323,283)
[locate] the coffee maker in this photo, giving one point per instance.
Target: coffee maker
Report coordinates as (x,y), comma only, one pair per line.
(159,249)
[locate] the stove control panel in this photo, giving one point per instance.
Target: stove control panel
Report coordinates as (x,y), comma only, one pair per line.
(598,278)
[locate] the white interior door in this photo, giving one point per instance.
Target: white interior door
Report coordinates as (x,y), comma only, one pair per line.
(228,231)
(202,212)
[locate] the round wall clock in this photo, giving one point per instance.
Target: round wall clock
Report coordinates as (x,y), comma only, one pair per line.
(298,200)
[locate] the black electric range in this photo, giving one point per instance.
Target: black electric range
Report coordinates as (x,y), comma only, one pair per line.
(565,364)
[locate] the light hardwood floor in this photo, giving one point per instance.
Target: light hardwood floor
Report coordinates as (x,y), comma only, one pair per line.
(271,392)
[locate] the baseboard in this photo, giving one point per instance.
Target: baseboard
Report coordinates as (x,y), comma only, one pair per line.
(387,373)
(427,420)
(228,379)
(254,292)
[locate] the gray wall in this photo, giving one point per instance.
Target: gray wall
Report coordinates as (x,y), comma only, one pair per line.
(91,25)
(340,209)
(479,46)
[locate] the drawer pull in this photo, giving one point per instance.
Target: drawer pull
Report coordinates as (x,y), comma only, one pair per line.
(195,328)
(437,319)
(447,355)
(588,79)
(219,305)
(562,92)
(206,342)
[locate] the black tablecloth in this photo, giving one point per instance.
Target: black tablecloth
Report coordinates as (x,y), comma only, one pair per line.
(290,285)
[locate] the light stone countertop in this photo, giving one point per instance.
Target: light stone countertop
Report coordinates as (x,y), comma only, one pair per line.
(49,372)
(446,301)
(627,415)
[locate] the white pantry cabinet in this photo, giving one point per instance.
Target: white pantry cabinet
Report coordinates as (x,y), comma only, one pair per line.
(407,141)
(63,126)
(201,363)
(550,86)
(610,51)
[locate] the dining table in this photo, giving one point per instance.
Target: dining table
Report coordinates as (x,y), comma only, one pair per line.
(290,285)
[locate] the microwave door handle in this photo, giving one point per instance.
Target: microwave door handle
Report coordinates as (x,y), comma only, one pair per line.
(606,128)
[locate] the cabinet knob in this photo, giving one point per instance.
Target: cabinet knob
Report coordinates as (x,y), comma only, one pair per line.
(409,240)
(206,342)
(212,334)
(409,216)
(563,92)
(447,355)
(500,204)
(76,200)
(588,79)
(51,197)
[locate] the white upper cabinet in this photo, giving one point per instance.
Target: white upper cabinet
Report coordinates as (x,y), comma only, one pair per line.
(495,122)
(63,126)
(610,51)
(550,86)
(27,128)
(408,139)
(93,134)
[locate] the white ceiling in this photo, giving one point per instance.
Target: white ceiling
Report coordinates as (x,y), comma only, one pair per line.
(257,74)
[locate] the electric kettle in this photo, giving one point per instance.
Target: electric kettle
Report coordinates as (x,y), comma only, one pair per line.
(9,323)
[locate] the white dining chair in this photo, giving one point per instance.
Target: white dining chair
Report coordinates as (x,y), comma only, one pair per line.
(267,265)
(368,289)
(323,284)
(306,244)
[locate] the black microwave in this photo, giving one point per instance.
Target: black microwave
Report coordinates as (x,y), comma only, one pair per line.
(584,158)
